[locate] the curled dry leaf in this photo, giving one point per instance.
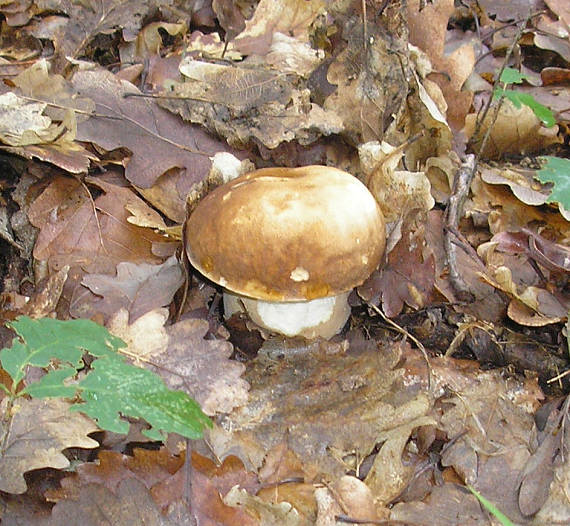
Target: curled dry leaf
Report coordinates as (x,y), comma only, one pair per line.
(398,192)
(498,207)
(428,30)
(289,17)
(522,183)
(533,306)
(33,436)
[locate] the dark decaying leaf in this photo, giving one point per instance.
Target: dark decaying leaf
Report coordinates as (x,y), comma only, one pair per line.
(130,504)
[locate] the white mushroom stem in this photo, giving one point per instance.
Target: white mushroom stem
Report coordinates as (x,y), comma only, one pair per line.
(322,317)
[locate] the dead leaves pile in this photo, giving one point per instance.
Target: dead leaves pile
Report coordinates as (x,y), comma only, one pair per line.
(112,115)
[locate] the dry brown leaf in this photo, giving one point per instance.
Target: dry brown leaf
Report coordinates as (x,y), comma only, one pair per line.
(137,287)
(389,476)
(522,183)
(447,505)
(323,403)
(33,437)
(158,140)
(71,234)
(440,172)
(502,211)
(407,277)
(489,419)
(398,192)
(561,8)
(85,22)
(281,513)
(495,431)
(290,17)
(129,504)
(230,17)
(515,131)
(240,88)
(290,55)
(112,468)
(209,483)
(257,106)
(183,359)
(370,87)
(533,306)
(428,31)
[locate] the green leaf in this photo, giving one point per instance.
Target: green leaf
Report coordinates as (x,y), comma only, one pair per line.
(52,384)
(44,340)
(14,360)
(491,508)
(114,388)
(557,171)
(512,76)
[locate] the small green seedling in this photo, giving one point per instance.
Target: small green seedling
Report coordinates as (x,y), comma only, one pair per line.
(491,508)
(513,76)
(557,171)
(108,389)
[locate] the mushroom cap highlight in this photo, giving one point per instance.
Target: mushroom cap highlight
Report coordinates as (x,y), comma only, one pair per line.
(287,234)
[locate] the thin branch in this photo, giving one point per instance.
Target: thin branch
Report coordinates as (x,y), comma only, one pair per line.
(403,331)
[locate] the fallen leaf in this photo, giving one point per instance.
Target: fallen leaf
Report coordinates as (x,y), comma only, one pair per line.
(138,288)
(365,109)
(525,137)
(96,505)
(408,276)
(281,513)
(71,233)
(209,483)
(323,405)
(84,23)
(158,140)
(398,192)
(290,17)
(111,468)
(185,361)
(449,504)
(33,435)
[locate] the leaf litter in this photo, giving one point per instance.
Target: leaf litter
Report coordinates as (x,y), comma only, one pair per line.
(360,427)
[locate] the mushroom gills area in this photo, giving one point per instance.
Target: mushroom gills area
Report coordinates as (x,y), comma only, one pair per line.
(322,317)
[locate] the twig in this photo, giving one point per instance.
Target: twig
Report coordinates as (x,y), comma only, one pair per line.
(403,331)
(453,212)
(464,178)
(383,522)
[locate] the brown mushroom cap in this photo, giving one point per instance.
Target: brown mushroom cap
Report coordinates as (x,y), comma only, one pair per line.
(282,234)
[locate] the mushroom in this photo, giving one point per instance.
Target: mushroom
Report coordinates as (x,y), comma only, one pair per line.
(288,245)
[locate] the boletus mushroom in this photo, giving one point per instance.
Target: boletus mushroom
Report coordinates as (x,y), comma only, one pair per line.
(288,245)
